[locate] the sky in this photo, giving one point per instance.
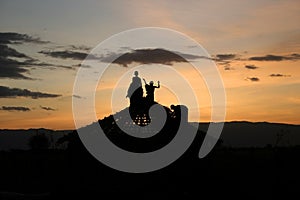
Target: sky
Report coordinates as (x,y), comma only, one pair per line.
(254,44)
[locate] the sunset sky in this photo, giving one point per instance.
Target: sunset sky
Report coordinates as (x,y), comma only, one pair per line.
(255,44)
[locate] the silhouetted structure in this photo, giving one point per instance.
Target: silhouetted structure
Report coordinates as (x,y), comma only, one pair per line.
(135,90)
(137,115)
(150,88)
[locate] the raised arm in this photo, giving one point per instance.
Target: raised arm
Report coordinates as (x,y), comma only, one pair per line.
(158,84)
(145,81)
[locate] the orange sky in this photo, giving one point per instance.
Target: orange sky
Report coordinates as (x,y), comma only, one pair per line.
(261,89)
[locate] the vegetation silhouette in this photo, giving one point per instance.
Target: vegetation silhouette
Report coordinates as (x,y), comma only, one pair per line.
(39,142)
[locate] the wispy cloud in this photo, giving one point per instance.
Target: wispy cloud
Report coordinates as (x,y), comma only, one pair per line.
(15,108)
(11,68)
(69,54)
(18,38)
(6,51)
(225,59)
(270,57)
(228,67)
(14,64)
(6,92)
(47,108)
(253,79)
(77,96)
(80,47)
(251,67)
(279,75)
(229,56)
(65,54)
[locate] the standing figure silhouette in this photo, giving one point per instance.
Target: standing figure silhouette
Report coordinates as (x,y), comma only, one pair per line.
(135,90)
(150,88)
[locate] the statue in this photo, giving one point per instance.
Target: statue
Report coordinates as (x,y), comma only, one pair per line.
(150,88)
(135,90)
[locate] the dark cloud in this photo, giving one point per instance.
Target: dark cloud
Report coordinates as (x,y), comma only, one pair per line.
(6,92)
(69,54)
(15,108)
(222,62)
(80,47)
(279,75)
(65,54)
(276,57)
(6,51)
(225,56)
(14,69)
(17,38)
(81,65)
(148,56)
(253,79)
(14,64)
(77,96)
(251,67)
(295,55)
(224,59)
(17,68)
(228,67)
(47,108)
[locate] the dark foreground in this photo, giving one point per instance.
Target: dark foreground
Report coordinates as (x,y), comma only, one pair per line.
(231,173)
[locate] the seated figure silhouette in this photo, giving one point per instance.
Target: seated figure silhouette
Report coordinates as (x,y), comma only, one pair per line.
(135,91)
(150,88)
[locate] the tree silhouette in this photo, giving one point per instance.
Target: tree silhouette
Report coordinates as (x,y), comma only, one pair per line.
(38,142)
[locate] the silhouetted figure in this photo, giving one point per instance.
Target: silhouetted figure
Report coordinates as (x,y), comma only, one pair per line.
(135,90)
(150,88)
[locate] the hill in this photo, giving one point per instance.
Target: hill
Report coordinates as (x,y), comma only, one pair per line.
(234,134)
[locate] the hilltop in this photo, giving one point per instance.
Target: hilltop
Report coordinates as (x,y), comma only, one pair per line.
(235,134)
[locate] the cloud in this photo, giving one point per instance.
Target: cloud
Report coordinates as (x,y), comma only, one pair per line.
(65,54)
(15,108)
(6,51)
(228,67)
(279,75)
(69,54)
(148,56)
(14,69)
(229,56)
(18,38)
(6,92)
(253,79)
(81,65)
(80,47)
(251,67)
(47,108)
(224,59)
(77,96)
(13,64)
(294,56)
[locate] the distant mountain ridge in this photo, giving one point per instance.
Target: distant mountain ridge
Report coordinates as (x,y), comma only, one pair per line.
(235,134)
(258,134)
